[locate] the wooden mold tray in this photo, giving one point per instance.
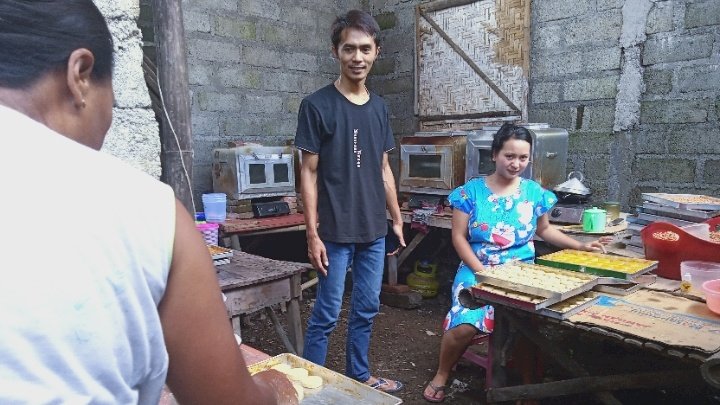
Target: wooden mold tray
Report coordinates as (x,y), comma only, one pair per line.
(597,263)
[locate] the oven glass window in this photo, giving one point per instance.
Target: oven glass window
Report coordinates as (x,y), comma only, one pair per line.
(485,163)
(257,173)
(281,173)
(425,166)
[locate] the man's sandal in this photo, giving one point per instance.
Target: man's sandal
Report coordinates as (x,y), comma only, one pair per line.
(436,390)
(383,385)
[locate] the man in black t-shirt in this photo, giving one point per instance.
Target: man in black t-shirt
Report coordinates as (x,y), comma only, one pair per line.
(346,184)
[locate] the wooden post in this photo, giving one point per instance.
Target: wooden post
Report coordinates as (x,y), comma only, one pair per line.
(175,125)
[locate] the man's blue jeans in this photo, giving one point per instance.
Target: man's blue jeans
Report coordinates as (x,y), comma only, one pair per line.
(367,260)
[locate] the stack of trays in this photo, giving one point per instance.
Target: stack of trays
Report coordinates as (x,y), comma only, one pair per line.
(678,209)
(220,255)
(625,268)
(531,287)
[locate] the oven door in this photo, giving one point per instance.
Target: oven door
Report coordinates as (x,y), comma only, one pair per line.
(479,158)
(426,168)
(260,173)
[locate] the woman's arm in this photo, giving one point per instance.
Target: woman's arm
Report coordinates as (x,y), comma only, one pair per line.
(555,237)
(459,234)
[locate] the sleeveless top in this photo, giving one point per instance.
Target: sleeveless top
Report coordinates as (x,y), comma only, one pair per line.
(86,250)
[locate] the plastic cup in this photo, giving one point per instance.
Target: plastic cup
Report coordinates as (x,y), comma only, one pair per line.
(215,207)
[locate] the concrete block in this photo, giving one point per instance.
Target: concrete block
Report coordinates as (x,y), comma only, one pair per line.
(212,6)
(211,101)
(291,104)
(205,124)
(657,81)
(598,118)
(235,28)
(549,65)
(545,92)
(386,20)
(669,170)
(556,117)
(408,300)
(590,143)
(549,10)
(699,78)
(601,59)
(546,36)
(677,48)
(196,22)
(262,103)
(660,18)
(247,78)
(265,9)
(263,57)
(609,4)
(133,137)
(604,26)
(281,81)
(702,13)
(129,81)
(590,89)
(402,86)
(596,171)
(213,51)
(385,65)
(117,9)
(298,15)
(712,172)
(200,74)
(697,141)
(405,63)
(649,142)
(674,111)
(285,36)
(300,61)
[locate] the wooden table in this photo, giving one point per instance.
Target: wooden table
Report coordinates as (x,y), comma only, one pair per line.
(233,228)
(251,283)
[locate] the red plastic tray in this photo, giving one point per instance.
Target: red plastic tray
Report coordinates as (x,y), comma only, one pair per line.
(670,245)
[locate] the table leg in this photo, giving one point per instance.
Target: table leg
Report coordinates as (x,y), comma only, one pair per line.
(410,247)
(392,263)
(280,331)
(235,242)
(293,314)
(236,325)
(501,333)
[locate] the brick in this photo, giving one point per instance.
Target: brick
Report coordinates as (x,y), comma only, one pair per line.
(299,61)
(234,28)
(598,118)
(712,172)
(386,20)
(204,124)
(605,26)
(210,101)
(657,81)
(649,142)
(214,51)
(601,59)
(200,74)
(233,77)
(678,48)
(545,92)
(702,13)
(269,10)
(280,35)
(196,22)
(673,111)
(660,18)
(699,78)
(590,89)
(556,64)
(281,81)
(305,17)
(549,10)
(696,142)
(664,169)
(256,56)
(590,143)
(262,103)
(557,117)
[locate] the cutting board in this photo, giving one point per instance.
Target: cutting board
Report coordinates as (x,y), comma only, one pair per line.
(609,230)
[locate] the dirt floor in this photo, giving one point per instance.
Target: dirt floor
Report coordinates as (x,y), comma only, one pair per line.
(405,346)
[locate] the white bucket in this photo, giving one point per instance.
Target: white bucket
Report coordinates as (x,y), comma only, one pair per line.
(215,206)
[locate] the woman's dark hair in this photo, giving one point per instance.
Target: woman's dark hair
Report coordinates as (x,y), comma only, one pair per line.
(510,131)
(357,19)
(38,36)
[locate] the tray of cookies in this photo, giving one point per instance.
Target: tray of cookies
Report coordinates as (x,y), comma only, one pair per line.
(217,252)
(318,385)
(625,268)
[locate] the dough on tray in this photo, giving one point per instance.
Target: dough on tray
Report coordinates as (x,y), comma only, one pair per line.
(282,367)
(312,382)
(300,391)
(297,374)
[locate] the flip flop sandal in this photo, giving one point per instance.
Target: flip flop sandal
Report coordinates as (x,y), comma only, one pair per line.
(381,381)
(434,398)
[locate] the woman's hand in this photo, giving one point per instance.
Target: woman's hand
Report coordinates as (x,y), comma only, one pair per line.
(598,245)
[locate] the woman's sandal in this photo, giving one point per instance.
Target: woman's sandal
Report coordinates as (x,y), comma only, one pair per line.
(380,384)
(436,390)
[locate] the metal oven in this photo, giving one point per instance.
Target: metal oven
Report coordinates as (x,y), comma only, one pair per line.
(432,162)
(254,171)
(547,164)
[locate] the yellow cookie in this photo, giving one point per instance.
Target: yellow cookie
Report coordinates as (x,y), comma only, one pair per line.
(297,374)
(282,367)
(312,382)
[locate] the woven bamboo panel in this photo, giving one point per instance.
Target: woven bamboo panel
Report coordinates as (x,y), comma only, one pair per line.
(494,35)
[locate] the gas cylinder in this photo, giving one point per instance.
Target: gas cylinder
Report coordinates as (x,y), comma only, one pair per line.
(423,279)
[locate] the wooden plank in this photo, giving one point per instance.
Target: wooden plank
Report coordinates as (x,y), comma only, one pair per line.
(246,269)
(410,247)
(650,380)
(256,297)
(280,331)
(236,225)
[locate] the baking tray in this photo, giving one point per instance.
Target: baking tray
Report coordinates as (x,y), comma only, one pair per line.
(680,213)
(684,201)
(559,310)
(551,284)
(571,306)
(658,218)
(597,263)
(336,388)
(217,252)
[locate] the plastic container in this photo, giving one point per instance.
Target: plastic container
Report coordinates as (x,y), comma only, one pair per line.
(694,273)
(215,207)
(701,230)
(712,295)
(670,245)
(209,232)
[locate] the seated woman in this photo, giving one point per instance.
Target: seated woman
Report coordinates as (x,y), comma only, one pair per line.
(494,221)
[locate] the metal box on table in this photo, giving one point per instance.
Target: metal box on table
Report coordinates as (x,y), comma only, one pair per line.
(432,162)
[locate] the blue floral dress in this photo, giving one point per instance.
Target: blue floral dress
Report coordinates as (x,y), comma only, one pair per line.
(500,229)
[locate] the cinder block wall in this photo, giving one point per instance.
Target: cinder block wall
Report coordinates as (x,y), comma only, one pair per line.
(133,136)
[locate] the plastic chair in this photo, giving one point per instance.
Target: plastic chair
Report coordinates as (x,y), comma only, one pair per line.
(480,360)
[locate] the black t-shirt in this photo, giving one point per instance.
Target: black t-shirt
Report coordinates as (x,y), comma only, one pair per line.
(350,140)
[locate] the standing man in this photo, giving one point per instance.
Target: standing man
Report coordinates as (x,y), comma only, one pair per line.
(346,184)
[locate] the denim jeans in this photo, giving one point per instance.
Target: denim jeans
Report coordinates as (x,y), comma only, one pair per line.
(367,260)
